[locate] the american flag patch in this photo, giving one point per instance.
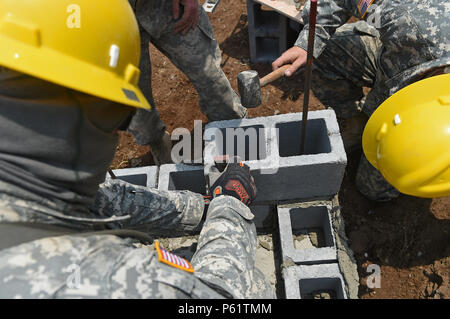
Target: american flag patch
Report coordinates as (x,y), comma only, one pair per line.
(172,260)
(363,5)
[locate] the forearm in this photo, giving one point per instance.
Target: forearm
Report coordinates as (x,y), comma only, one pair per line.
(331,14)
(150,209)
(226,248)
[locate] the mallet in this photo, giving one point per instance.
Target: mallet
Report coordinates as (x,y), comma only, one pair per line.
(249,85)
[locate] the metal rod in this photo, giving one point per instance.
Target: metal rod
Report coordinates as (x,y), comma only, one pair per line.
(309,61)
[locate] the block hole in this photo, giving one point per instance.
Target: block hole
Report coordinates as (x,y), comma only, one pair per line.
(247,142)
(289,138)
(308,238)
(193,181)
(321,288)
(311,227)
(138,179)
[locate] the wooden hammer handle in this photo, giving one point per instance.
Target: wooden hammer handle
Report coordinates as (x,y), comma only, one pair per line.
(273,76)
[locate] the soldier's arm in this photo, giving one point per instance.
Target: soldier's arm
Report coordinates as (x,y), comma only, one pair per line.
(149,209)
(331,14)
(226,250)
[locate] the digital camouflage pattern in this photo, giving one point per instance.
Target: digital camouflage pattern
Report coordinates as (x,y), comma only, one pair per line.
(347,64)
(149,209)
(196,54)
(117,204)
(111,267)
(232,238)
(398,43)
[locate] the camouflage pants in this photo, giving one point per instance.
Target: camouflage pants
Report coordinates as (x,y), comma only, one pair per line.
(349,63)
(106,266)
(196,54)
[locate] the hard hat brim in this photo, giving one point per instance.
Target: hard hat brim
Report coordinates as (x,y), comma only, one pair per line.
(69,72)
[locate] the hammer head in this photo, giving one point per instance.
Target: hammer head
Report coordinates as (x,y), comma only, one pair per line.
(249,88)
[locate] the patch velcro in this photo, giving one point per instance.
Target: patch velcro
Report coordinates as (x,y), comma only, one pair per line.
(172,260)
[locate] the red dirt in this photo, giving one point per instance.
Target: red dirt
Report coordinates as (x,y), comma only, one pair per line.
(407,237)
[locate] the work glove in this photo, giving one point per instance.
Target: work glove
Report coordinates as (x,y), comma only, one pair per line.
(235,181)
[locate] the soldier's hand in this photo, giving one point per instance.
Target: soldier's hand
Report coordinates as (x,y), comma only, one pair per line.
(190,16)
(295,55)
(236,181)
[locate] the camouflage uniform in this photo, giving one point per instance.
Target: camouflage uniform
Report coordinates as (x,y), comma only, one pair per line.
(107,266)
(117,205)
(112,267)
(197,54)
(49,186)
(399,43)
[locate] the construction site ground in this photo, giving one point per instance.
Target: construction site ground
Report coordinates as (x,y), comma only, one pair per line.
(408,237)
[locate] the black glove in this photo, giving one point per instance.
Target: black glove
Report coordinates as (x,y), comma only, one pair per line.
(235,181)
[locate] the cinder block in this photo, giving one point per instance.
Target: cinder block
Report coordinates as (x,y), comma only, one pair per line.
(264,30)
(298,222)
(305,282)
(280,172)
(191,177)
(143,176)
(264,217)
(270,33)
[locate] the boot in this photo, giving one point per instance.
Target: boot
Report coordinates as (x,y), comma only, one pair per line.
(161,151)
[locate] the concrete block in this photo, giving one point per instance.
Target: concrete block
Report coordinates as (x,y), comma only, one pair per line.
(306,234)
(270,33)
(191,177)
(306,282)
(280,172)
(143,176)
(267,33)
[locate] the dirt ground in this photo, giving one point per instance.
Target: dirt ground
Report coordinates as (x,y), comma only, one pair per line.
(408,237)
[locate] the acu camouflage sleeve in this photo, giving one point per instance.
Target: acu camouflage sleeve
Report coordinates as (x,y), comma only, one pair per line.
(226,251)
(331,14)
(149,209)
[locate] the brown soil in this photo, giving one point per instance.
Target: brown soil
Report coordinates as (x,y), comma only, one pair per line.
(408,237)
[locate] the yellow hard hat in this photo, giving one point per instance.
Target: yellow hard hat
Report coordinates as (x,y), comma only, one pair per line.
(91,46)
(408,138)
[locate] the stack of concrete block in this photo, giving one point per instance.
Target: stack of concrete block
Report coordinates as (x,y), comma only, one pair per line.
(313,269)
(270,33)
(294,183)
(295,191)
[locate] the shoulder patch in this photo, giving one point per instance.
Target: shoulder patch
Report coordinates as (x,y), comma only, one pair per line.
(173,260)
(363,6)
